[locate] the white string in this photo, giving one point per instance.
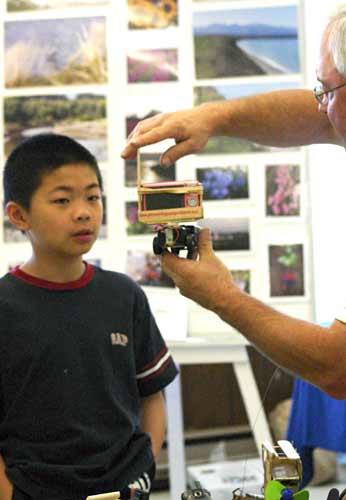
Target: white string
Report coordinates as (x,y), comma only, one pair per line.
(252,428)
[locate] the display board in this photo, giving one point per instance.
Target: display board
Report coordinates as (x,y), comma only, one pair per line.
(92,69)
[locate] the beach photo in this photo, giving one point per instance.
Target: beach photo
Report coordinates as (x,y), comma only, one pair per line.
(151,170)
(22,5)
(283,190)
(55,52)
(246,42)
(82,117)
(286,270)
(228,234)
(133,226)
(155,65)
(145,268)
(224,183)
(157,14)
(242,279)
(234,145)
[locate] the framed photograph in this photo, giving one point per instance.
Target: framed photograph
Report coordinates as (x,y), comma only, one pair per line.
(80,116)
(229,234)
(152,15)
(55,52)
(156,65)
(22,5)
(286,265)
(246,42)
(283,190)
(242,279)
(151,170)
(133,226)
(145,268)
(224,183)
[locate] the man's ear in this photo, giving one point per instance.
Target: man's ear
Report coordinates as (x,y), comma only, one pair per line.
(18,215)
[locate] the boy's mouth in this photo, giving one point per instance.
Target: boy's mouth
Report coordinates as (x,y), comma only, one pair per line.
(85,235)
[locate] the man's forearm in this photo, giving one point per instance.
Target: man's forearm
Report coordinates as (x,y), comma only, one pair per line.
(280,118)
(308,350)
(6,487)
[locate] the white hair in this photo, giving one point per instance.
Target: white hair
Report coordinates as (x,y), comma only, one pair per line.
(336,29)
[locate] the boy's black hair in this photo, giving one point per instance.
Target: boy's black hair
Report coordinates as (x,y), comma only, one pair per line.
(41,154)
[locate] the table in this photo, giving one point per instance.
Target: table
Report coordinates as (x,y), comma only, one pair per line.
(224,349)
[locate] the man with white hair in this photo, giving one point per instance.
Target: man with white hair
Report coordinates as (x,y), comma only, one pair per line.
(283,118)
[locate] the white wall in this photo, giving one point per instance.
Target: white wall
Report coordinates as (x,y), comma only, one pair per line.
(327,180)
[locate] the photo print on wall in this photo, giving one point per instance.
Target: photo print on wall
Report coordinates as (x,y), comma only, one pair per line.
(283,190)
(224,183)
(80,116)
(55,52)
(145,268)
(286,266)
(23,5)
(246,42)
(148,14)
(228,234)
(150,66)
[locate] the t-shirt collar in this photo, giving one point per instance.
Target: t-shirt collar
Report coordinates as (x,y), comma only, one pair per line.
(51,285)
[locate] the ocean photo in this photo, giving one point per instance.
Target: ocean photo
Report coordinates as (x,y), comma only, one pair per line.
(55,52)
(82,117)
(239,42)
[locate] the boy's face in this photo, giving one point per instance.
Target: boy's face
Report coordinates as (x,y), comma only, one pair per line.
(65,212)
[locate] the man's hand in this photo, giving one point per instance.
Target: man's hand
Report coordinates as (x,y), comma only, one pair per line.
(6,487)
(207,280)
(189,128)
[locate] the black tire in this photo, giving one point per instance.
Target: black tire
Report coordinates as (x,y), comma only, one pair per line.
(157,248)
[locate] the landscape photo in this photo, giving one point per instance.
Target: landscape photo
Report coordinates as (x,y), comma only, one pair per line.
(224,183)
(228,234)
(283,190)
(22,5)
(286,270)
(55,52)
(155,65)
(157,14)
(145,268)
(234,145)
(151,170)
(246,42)
(81,116)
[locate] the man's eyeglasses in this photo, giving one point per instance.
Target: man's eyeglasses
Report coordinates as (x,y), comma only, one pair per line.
(322,95)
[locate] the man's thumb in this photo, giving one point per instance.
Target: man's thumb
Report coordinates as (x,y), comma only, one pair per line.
(205,243)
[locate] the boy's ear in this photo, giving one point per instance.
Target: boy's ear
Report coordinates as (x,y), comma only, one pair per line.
(18,215)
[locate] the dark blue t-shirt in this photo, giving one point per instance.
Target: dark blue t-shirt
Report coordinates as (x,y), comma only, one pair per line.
(75,360)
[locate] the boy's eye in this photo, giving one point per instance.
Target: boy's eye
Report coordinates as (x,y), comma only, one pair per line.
(61,201)
(95,197)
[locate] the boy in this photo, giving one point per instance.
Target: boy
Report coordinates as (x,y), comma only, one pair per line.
(82,363)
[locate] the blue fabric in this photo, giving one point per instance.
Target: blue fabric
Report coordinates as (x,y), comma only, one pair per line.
(316,421)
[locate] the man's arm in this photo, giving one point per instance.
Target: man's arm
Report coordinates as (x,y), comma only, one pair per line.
(153,420)
(314,353)
(281,118)
(6,487)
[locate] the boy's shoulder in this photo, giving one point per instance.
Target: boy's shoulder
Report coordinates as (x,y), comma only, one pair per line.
(116,279)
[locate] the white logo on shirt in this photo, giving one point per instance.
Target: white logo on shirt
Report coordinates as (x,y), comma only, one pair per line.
(119,339)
